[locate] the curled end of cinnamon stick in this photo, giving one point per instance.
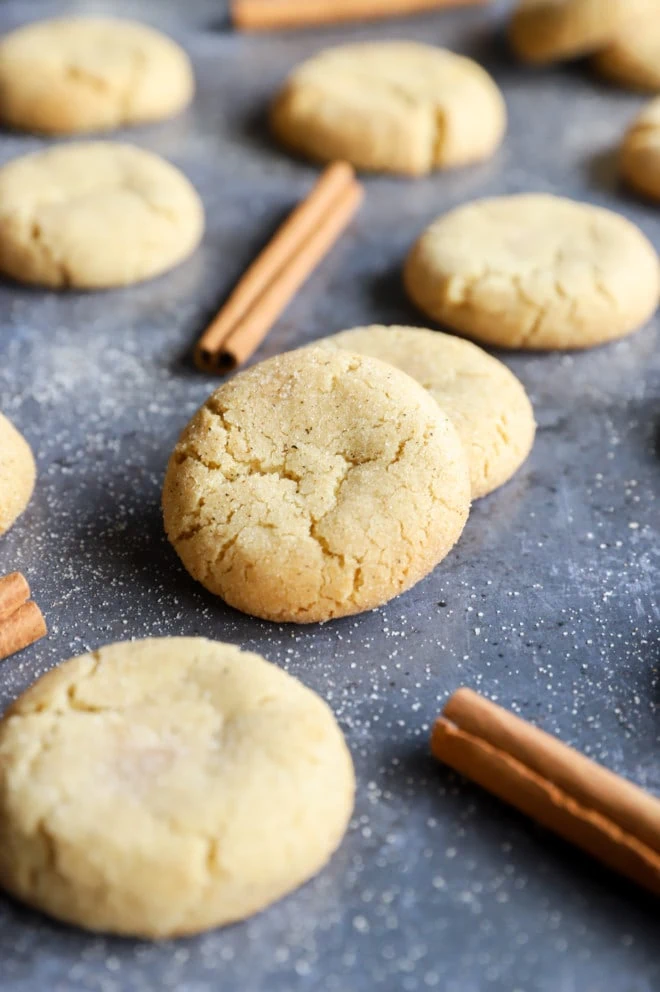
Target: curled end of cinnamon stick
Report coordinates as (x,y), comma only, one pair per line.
(215,362)
(14,591)
(24,627)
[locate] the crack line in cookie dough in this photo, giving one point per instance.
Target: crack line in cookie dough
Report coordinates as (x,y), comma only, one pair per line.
(191,531)
(123,96)
(255,467)
(61,268)
(124,185)
(472,283)
(139,63)
(86,77)
(436,112)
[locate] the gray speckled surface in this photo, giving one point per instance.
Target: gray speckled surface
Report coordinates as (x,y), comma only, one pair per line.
(549,604)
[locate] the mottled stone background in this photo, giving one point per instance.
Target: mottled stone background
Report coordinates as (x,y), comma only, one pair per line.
(548,605)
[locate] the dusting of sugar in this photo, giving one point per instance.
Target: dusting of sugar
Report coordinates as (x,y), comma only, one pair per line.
(549,604)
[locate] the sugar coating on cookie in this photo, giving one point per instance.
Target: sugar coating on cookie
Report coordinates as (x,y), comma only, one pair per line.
(395,107)
(17,474)
(486,403)
(93,215)
(535,271)
(316,485)
(632,58)
(82,74)
(640,152)
(166,786)
(550,30)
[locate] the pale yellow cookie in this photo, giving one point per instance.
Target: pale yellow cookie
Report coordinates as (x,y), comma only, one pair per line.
(485,402)
(167,786)
(632,58)
(80,74)
(95,214)
(535,271)
(550,30)
(316,485)
(391,106)
(640,152)
(17,474)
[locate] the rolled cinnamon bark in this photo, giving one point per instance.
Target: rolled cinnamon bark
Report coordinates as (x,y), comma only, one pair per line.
(586,804)
(25,626)
(14,591)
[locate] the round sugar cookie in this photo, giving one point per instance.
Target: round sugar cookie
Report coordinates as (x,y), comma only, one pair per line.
(162,787)
(391,106)
(640,152)
(316,485)
(632,58)
(92,215)
(551,30)
(17,474)
(486,403)
(81,74)
(535,271)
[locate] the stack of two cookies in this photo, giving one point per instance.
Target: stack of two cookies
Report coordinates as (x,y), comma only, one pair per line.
(328,480)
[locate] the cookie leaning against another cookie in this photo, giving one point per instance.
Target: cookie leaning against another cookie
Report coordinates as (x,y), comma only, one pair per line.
(640,152)
(535,271)
(633,57)
(17,474)
(485,402)
(315,485)
(396,107)
(92,215)
(550,30)
(162,787)
(79,74)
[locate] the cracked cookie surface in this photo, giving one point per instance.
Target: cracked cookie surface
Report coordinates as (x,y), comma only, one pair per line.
(640,152)
(17,474)
(316,485)
(93,215)
(82,74)
(165,786)
(535,271)
(395,107)
(486,403)
(551,30)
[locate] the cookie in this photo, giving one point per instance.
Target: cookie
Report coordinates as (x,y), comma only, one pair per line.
(92,215)
(395,107)
(640,152)
(17,474)
(551,30)
(82,74)
(485,402)
(535,271)
(166,786)
(316,485)
(632,58)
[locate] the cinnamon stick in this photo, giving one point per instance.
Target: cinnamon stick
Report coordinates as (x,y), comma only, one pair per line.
(22,628)
(14,591)
(279,271)
(610,818)
(262,15)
